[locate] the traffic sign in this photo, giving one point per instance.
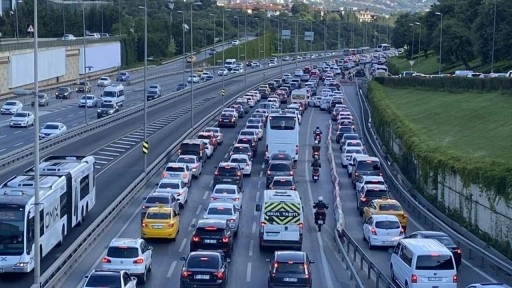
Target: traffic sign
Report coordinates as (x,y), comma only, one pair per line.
(223,92)
(30,29)
(411,62)
(145,147)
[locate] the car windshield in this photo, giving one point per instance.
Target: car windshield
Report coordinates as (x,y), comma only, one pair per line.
(224,191)
(211,130)
(103,79)
(152,92)
(107,281)
(354,144)
(223,211)
(10,103)
(89,97)
(386,224)
(21,114)
(281,167)
(51,126)
(12,226)
(434,262)
(168,185)
(203,262)
(351,137)
(281,157)
(158,215)
(291,268)
(240,149)
(226,115)
(41,96)
(157,200)
(353,151)
(62,90)
(107,106)
(252,126)
(122,252)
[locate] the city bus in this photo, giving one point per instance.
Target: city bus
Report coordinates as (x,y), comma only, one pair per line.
(67,189)
(282,135)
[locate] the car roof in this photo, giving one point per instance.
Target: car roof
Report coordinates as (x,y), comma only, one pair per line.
(176,164)
(368,177)
(170,180)
(125,242)
(220,205)
(431,233)
(285,256)
(385,217)
(219,223)
(225,186)
(375,187)
(283,178)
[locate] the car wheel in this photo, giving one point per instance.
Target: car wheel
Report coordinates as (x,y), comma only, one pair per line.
(143,278)
(370,246)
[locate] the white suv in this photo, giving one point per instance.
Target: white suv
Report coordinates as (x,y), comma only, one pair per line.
(131,255)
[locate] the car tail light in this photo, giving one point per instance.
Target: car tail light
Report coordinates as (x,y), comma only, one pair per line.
(293,187)
(236,199)
(195,238)
(414,278)
(170,225)
(164,174)
(185,273)
(455,278)
(363,199)
(225,239)
(179,193)
(231,220)
(301,225)
(271,187)
(268,172)
(138,261)
(217,173)
(458,251)
(219,275)
(373,231)
(246,164)
(105,260)
(291,173)
(262,223)
(213,198)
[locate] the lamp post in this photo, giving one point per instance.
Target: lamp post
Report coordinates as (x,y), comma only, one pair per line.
(311,42)
(85,63)
(145,7)
(238,36)
(493,37)
(259,39)
(214,25)
(412,50)
(440,42)
(17,23)
(223,49)
(183,44)
(264,40)
(325,36)
(245,51)
(296,43)
(37,217)
(192,64)
(63,20)
(419,40)
(339,36)
(170,6)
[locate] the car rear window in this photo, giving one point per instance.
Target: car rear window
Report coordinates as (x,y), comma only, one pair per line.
(157,200)
(175,169)
(390,207)
(375,193)
(279,167)
(167,185)
(227,171)
(158,216)
(220,211)
(238,160)
(368,166)
(109,281)
(203,262)
(122,252)
(210,231)
(293,268)
(386,224)
(282,182)
(434,262)
(281,157)
(224,191)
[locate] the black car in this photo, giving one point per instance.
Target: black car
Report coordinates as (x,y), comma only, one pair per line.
(212,234)
(281,157)
(227,119)
(278,168)
(249,141)
(342,131)
(239,110)
(204,269)
(290,269)
(444,239)
(182,86)
(63,93)
(360,73)
(107,109)
(368,193)
(227,173)
(263,93)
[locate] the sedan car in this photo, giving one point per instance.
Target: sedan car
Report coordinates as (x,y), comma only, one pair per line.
(107,109)
(243,161)
(226,193)
(386,207)
(42,100)
(52,129)
(110,278)
(204,269)
(193,78)
(258,128)
(193,162)
(159,200)
(153,93)
(11,107)
(227,119)
(123,76)
(91,101)
(83,87)
(176,187)
(348,153)
(218,134)
(182,86)
(290,269)
(22,119)
(63,93)
(222,72)
(160,223)
(382,230)
(224,211)
(104,81)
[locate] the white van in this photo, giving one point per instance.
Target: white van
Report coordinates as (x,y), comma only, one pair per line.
(230,64)
(113,94)
(281,219)
(423,263)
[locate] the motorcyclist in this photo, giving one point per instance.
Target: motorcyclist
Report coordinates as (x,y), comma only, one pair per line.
(316,163)
(317,131)
(320,207)
(316,149)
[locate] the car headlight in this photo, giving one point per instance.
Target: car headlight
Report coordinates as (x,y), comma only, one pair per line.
(110,112)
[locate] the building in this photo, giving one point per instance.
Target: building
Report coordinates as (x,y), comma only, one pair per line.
(365,15)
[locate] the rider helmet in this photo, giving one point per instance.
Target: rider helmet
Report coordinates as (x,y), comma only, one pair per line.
(320,198)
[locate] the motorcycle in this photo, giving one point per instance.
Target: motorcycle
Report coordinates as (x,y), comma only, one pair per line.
(318,138)
(316,154)
(320,219)
(316,174)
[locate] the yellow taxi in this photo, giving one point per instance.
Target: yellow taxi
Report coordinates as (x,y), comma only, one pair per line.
(386,206)
(160,222)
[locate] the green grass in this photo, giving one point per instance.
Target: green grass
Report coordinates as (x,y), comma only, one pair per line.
(469,124)
(252,50)
(430,66)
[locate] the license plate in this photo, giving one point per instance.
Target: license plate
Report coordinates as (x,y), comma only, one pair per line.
(201,276)
(387,242)
(434,279)
(157,226)
(290,279)
(321,222)
(272,234)
(210,241)
(315,177)
(225,120)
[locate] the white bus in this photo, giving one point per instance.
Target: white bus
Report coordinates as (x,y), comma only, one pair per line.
(67,187)
(282,135)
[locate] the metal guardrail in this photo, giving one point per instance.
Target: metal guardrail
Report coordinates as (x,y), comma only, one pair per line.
(345,242)
(70,257)
(10,46)
(431,215)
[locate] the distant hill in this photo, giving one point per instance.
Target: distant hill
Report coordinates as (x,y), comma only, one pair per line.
(383,6)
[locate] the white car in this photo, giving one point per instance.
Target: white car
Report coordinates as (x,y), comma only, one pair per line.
(353,143)
(209,149)
(226,193)
(68,37)
(237,70)
(178,171)
(193,78)
(235,42)
(298,73)
(102,278)
(347,153)
(91,101)
(132,255)
(382,230)
(155,87)
(217,132)
(52,129)
(204,75)
(104,81)
(230,111)
(193,162)
(369,180)
(224,211)
(176,187)
(258,128)
(11,107)
(22,119)
(255,65)
(250,101)
(249,133)
(222,72)
(243,161)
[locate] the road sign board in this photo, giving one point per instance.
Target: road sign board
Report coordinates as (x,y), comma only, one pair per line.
(309,36)
(30,29)
(145,147)
(286,34)
(411,62)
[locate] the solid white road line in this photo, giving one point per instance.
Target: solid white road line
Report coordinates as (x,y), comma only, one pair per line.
(18,144)
(258,195)
(114,149)
(171,269)
(182,246)
(126,142)
(120,146)
(108,153)
(253,230)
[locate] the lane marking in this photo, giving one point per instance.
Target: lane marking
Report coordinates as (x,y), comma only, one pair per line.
(1,150)
(101,162)
(97,167)
(249,268)
(251,244)
(109,153)
(205,194)
(191,223)
(226,156)
(182,246)
(262,165)
(199,209)
(211,184)
(261,174)
(253,230)
(259,184)
(18,144)
(121,146)
(2,136)
(258,195)
(126,142)
(16,132)
(133,139)
(171,269)
(115,149)
(103,157)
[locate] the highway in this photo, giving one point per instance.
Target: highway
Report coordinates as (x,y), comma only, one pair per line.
(124,169)
(470,270)
(67,111)
(248,266)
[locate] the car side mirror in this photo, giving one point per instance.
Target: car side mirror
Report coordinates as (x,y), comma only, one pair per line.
(258,207)
(144,198)
(311,261)
(134,278)
(183,258)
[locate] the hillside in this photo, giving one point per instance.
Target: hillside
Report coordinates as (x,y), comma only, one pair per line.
(384,6)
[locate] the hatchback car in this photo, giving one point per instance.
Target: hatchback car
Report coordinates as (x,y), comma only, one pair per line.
(176,187)
(106,109)
(178,171)
(217,132)
(226,193)
(22,119)
(159,200)
(444,239)
(283,183)
(212,234)
(278,168)
(290,269)
(52,129)
(89,100)
(244,161)
(110,278)
(204,269)
(182,86)
(227,119)
(11,107)
(228,173)
(42,100)
(193,162)
(224,211)
(244,149)
(132,255)
(104,81)
(382,230)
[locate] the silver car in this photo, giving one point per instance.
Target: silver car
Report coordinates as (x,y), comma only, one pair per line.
(176,187)
(216,131)
(193,162)
(11,107)
(224,211)
(226,193)
(91,101)
(166,200)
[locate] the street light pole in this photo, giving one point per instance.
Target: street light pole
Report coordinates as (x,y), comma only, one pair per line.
(37,218)
(214,25)
(238,36)
(245,51)
(412,50)
(296,43)
(17,23)
(192,64)
(440,42)
(259,40)
(264,40)
(145,76)
(223,49)
(493,37)
(183,44)
(419,40)
(85,64)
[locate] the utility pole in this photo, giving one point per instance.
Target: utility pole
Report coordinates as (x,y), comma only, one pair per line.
(37,218)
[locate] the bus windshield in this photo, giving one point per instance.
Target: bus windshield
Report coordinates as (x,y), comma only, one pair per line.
(11,230)
(282,122)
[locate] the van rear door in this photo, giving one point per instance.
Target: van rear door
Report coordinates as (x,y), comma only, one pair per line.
(281,221)
(435,269)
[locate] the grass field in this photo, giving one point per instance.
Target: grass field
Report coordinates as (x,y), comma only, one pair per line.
(470,124)
(430,66)
(252,50)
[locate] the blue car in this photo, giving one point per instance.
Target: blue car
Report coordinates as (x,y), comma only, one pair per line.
(182,86)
